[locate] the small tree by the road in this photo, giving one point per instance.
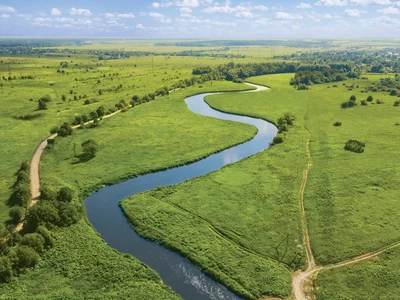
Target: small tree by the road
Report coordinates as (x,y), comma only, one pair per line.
(16,214)
(90,147)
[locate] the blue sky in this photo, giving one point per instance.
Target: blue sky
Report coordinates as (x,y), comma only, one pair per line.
(201,18)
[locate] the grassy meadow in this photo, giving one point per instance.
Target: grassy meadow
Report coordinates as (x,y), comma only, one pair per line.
(348,208)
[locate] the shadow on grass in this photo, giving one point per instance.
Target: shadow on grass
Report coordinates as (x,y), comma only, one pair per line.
(82,158)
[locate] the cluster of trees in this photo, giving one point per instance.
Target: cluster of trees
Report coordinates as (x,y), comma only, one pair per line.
(283,125)
(20,198)
(382,61)
(201,70)
(354,146)
(19,252)
(64,130)
(302,79)
(42,102)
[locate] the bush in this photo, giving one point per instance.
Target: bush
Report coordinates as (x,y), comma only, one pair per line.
(42,105)
(370,98)
(17,214)
(278,139)
(46,193)
(354,146)
(47,235)
(364,103)
(379,101)
(393,93)
(6,271)
(349,104)
(353,98)
(65,130)
(43,213)
(101,111)
(65,194)
(22,194)
(337,123)
(26,257)
(396,103)
(135,98)
(33,240)
(68,214)
(54,130)
(90,147)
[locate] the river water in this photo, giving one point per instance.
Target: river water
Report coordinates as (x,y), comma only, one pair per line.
(107,218)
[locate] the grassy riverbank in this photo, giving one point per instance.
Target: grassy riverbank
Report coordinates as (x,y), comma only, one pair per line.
(349,197)
(131,143)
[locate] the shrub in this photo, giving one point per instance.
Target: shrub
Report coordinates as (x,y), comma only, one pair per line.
(46,193)
(396,103)
(54,130)
(65,194)
(370,98)
(101,111)
(379,101)
(68,214)
(337,123)
(354,146)
(364,103)
(278,139)
(43,213)
(47,235)
(353,98)
(42,105)
(6,271)
(90,147)
(33,240)
(26,257)
(135,98)
(349,104)
(17,214)
(65,130)
(22,194)
(393,93)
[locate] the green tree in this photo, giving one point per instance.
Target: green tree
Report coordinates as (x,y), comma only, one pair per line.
(353,98)
(42,105)
(47,235)
(65,194)
(90,147)
(26,257)
(17,214)
(370,98)
(33,240)
(101,111)
(6,271)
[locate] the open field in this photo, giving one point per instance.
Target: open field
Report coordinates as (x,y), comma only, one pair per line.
(351,194)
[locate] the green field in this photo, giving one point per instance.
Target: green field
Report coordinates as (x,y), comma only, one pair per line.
(242,224)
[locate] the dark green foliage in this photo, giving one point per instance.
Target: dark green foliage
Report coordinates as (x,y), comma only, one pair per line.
(278,139)
(349,104)
(302,86)
(26,257)
(43,213)
(42,105)
(46,98)
(47,235)
(68,214)
(337,123)
(65,194)
(6,271)
(152,96)
(21,195)
(396,103)
(14,238)
(393,93)
(47,193)
(353,98)
(354,146)
(201,70)
(135,98)
(364,103)
(54,130)
(93,115)
(101,111)
(17,214)
(34,241)
(90,147)
(370,98)
(65,130)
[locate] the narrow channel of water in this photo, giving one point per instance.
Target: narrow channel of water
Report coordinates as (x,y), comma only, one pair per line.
(176,271)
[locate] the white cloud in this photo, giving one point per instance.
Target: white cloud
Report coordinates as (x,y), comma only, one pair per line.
(304,5)
(261,7)
(368,2)
(119,16)
(354,12)
(389,11)
(4,16)
(244,14)
(55,12)
(332,2)
(295,27)
(140,26)
(262,21)
(7,9)
(280,15)
(80,11)
(154,5)
(160,17)
(186,10)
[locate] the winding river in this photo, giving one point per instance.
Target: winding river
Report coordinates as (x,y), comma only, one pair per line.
(104,212)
